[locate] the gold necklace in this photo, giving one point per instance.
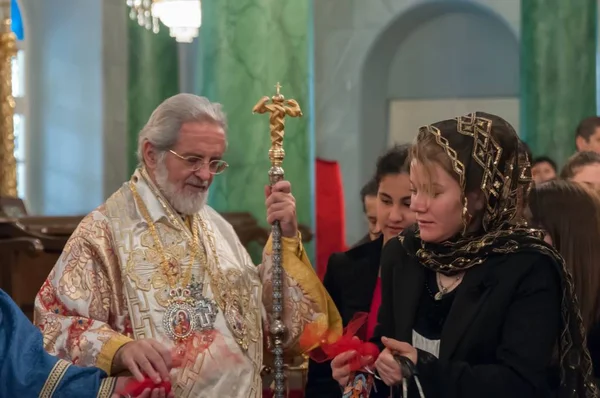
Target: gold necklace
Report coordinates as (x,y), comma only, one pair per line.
(188,310)
(193,227)
(443,290)
(235,303)
(168,268)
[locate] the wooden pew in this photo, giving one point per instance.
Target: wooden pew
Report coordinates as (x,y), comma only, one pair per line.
(29,248)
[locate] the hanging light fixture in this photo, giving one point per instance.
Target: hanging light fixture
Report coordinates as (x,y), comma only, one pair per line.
(142,11)
(182,17)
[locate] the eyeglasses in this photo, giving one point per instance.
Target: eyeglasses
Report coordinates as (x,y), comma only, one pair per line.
(195,163)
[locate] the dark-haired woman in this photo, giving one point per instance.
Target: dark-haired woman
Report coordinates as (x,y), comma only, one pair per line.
(569,215)
(352,278)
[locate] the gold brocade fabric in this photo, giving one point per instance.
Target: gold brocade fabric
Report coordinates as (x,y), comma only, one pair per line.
(487,155)
(107,288)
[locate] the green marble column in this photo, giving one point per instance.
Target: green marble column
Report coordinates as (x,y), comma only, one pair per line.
(558,73)
(247,46)
(153,77)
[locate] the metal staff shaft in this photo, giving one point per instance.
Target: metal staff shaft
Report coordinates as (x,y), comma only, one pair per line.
(278,328)
(278,108)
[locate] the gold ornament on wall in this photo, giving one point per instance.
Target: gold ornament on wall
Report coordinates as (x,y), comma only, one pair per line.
(8,49)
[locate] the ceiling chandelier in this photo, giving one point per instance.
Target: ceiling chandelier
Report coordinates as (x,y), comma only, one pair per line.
(182,17)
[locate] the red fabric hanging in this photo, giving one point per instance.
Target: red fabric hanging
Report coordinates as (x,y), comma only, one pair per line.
(330,229)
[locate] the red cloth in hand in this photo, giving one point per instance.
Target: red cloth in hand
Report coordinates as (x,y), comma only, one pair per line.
(330,345)
(135,388)
(183,354)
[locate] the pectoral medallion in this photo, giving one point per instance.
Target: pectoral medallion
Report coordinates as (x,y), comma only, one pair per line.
(188,311)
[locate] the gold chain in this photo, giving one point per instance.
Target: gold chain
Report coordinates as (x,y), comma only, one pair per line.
(218,281)
(444,289)
(223,298)
(217,293)
(167,270)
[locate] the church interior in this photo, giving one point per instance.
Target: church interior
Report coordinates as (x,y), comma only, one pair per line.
(79,79)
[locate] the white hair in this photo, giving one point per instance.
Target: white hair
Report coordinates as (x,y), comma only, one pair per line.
(162,129)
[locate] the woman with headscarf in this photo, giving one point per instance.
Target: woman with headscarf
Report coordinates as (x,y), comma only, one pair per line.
(474,303)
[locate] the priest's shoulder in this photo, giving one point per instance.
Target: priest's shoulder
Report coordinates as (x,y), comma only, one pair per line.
(96,218)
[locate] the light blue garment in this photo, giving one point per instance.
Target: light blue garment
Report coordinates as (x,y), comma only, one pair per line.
(26,370)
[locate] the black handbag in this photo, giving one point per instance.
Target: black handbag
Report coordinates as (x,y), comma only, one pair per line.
(409,373)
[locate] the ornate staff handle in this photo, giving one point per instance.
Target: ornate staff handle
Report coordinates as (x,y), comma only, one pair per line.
(278,109)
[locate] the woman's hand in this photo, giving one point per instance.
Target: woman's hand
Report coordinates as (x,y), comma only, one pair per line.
(340,366)
(387,367)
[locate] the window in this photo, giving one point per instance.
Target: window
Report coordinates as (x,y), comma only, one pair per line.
(18,88)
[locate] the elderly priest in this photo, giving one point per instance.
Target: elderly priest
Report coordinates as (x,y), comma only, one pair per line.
(155,268)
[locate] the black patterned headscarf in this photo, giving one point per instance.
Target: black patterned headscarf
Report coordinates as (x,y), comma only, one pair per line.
(486,154)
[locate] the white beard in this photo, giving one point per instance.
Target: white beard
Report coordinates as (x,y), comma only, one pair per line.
(183,202)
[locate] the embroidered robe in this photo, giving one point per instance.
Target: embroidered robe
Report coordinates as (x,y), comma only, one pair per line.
(108,288)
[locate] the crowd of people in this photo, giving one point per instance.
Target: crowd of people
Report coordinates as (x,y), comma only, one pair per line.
(484,272)
(477,276)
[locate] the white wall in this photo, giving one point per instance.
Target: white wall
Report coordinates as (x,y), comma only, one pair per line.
(115,101)
(356,44)
(407,116)
(76,85)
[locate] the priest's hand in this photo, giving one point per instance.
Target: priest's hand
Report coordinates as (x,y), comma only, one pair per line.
(146,356)
(281,206)
(387,367)
(147,393)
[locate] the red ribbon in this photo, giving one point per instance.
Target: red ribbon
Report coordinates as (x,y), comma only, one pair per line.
(135,388)
(330,344)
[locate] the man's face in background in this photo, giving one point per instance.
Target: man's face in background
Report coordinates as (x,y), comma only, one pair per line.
(591,144)
(542,172)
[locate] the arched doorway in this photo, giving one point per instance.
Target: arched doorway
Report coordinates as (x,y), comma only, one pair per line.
(432,61)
